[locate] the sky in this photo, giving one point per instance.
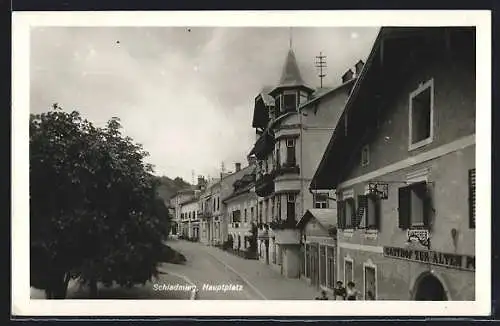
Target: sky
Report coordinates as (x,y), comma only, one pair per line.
(185,94)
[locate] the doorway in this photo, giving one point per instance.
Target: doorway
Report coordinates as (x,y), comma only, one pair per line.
(429,288)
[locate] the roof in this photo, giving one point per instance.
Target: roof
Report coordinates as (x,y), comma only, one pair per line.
(327,217)
(290,74)
(337,154)
(323,92)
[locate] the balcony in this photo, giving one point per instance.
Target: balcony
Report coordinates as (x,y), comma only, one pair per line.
(264,185)
(287,168)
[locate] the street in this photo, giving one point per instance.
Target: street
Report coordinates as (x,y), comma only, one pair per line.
(206,264)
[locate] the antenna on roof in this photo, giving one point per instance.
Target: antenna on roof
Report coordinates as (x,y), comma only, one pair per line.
(320,64)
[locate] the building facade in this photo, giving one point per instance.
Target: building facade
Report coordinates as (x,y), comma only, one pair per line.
(293,124)
(402,162)
(241,208)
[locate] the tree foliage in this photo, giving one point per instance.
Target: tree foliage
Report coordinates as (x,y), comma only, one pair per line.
(94,210)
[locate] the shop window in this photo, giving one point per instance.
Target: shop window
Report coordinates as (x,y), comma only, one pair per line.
(331,266)
(322,265)
(414,206)
(370,286)
(420,115)
(321,200)
(348,271)
(472,198)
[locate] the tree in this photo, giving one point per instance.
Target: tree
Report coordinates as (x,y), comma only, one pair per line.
(94,210)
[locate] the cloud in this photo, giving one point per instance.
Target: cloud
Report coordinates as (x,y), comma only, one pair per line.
(187,96)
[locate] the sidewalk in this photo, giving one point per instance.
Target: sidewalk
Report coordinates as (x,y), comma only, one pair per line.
(263,280)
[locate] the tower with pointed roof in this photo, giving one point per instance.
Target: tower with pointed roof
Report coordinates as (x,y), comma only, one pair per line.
(291,90)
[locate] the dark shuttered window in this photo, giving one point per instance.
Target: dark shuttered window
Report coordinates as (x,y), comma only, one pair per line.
(415,206)
(362,210)
(341,214)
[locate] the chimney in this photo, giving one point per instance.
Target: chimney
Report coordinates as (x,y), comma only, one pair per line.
(347,76)
(358,67)
(237,167)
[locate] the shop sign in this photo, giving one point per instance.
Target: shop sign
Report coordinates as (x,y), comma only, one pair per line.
(457,261)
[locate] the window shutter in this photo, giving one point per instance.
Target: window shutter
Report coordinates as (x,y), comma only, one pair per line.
(404,207)
(378,212)
(362,211)
(353,212)
(472,198)
(422,190)
(341,214)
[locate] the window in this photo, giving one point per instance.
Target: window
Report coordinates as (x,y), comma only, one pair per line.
(369,211)
(245,216)
(414,206)
(322,265)
(272,209)
(330,254)
(370,286)
(214,204)
(278,206)
(421,115)
(252,217)
(260,212)
(218,202)
(289,102)
(321,200)
(472,198)
(290,152)
(290,207)
(236,216)
(365,155)
(277,103)
(303,98)
(348,271)
(347,213)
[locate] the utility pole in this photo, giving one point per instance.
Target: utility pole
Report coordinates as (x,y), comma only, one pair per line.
(321,64)
(192,177)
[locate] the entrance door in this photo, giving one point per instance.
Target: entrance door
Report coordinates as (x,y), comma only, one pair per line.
(429,288)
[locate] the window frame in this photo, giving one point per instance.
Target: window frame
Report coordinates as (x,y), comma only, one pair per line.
(429,84)
(370,265)
(290,93)
(348,259)
(417,177)
(326,201)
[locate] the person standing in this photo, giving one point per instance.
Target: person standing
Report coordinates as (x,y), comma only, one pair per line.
(352,292)
(323,296)
(339,292)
